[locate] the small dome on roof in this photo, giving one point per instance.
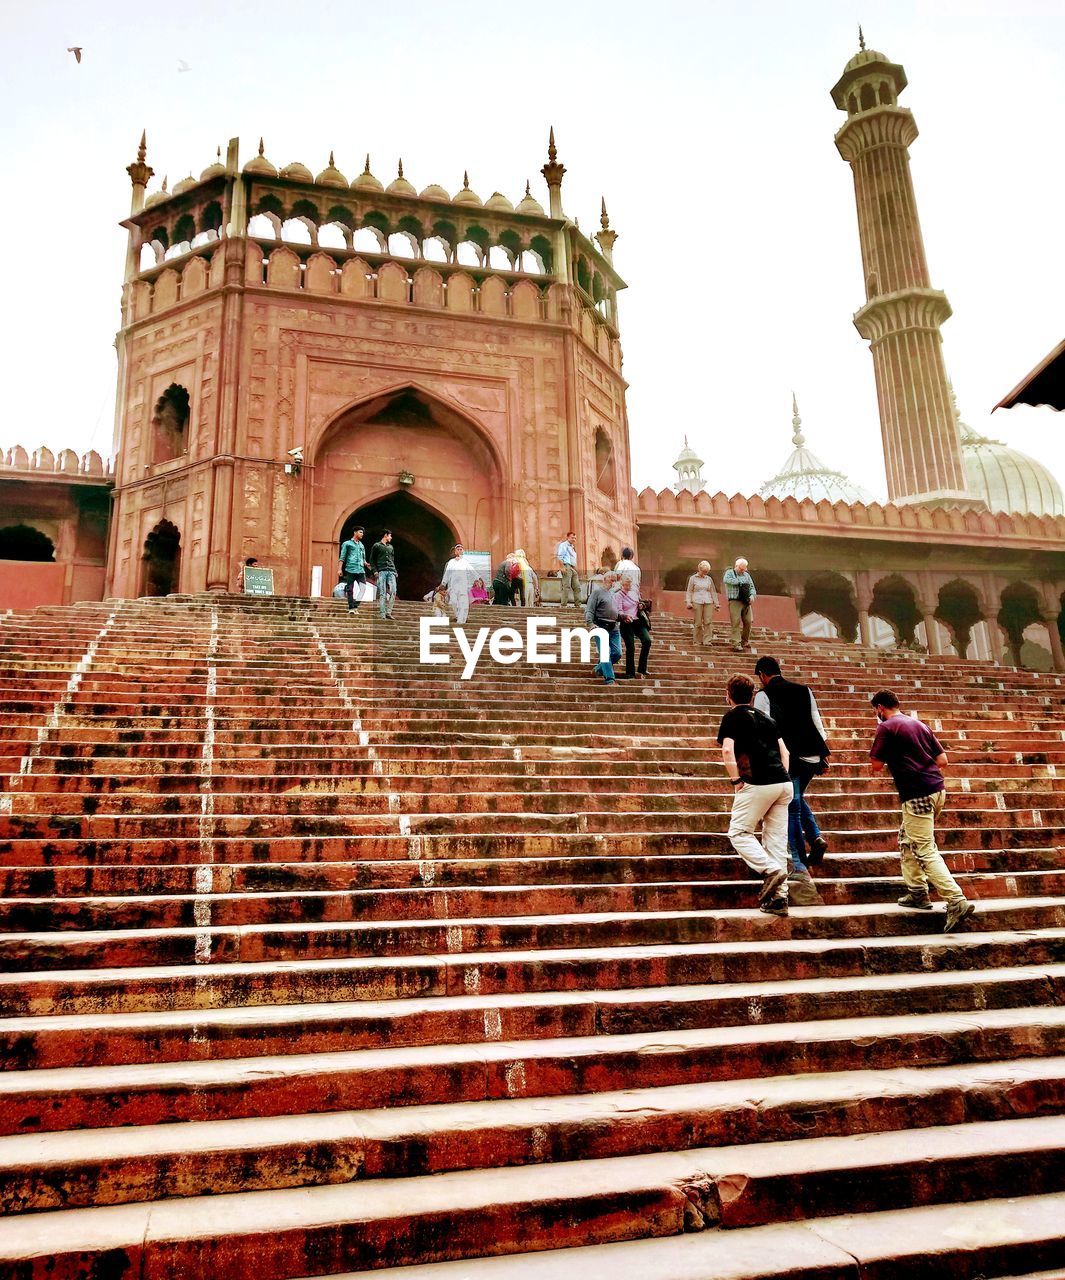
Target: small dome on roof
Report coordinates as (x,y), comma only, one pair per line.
(186,184)
(435,192)
(260,164)
(297,172)
(466,196)
(157,197)
(366,180)
(331,175)
(863,57)
(497,200)
(399,186)
(529,204)
(1007,479)
(215,170)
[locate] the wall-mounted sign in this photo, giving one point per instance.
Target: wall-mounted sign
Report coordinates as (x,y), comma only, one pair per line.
(258,582)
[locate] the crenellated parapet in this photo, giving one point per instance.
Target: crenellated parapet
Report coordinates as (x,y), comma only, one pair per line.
(363,240)
(869,520)
(46,464)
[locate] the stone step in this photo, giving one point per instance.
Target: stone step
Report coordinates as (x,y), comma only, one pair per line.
(250,1030)
(139,1094)
(75,1169)
(312,939)
(938,1242)
(177,911)
(452,1215)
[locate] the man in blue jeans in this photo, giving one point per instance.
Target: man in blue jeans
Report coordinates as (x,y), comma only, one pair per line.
(383,564)
(601,610)
(794,709)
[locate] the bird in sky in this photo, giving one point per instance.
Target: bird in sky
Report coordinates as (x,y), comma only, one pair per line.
(183,65)
(75,49)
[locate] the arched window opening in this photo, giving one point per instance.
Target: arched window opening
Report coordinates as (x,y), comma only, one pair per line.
(541,246)
(332,236)
(818,626)
(296,231)
(605,469)
(436,250)
(868,98)
(584,276)
(401,244)
(161,561)
(184,228)
(895,602)
(468,254)
(211,218)
(170,423)
(959,611)
(262,228)
(852,105)
(886,97)
(162,237)
(1019,610)
(828,595)
(532,263)
(150,256)
(23,542)
(368,240)
(500,259)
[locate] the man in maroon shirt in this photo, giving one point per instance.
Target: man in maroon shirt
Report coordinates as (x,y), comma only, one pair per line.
(913,754)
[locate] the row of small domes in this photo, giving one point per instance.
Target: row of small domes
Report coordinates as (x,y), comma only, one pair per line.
(332,177)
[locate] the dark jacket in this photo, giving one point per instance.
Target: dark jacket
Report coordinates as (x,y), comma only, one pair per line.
(382,557)
(792,709)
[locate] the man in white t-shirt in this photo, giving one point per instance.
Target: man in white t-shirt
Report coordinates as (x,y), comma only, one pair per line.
(627,566)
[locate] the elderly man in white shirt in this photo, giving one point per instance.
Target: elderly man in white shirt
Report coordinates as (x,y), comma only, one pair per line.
(459,573)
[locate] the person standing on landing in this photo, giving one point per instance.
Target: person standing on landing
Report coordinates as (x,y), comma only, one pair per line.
(458,576)
(756,761)
(739,587)
(794,709)
(916,759)
(566,555)
(383,563)
(701,598)
(353,567)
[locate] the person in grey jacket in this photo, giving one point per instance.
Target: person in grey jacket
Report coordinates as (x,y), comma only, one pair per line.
(601,610)
(739,587)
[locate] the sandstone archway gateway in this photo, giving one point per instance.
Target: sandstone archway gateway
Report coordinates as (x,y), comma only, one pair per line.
(409,461)
(422,539)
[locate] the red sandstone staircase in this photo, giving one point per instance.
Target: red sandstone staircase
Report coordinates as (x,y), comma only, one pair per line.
(315,960)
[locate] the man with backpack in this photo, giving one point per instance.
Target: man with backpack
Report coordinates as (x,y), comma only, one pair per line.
(739,588)
(756,761)
(793,708)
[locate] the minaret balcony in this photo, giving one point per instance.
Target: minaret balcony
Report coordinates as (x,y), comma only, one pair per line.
(894,313)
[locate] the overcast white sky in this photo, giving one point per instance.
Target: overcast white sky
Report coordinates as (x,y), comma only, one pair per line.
(708,126)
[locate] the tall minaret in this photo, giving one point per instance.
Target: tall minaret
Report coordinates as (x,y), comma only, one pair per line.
(903,313)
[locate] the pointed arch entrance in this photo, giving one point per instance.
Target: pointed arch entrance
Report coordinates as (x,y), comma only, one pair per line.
(422,539)
(161,562)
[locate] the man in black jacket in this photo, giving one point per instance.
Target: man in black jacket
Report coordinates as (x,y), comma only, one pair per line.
(794,708)
(383,563)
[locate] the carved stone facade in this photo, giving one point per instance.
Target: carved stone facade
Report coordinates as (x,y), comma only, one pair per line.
(483,384)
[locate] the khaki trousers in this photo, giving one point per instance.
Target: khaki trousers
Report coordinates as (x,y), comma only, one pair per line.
(922,863)
(741,622)
(766,806)
(702,623)
(571,584)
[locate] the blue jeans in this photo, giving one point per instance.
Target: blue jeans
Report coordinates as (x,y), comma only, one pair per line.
(802,825)
(386,590)
(605,668)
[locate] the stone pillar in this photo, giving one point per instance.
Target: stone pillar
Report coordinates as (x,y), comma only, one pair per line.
(903,313)
(865,633)
(1050,617)
(931,627)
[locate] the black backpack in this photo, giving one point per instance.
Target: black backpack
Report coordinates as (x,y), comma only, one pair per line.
(762,756)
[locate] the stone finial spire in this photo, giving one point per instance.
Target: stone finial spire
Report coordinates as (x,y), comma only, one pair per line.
(797,437)
(139,173)
(861,39)
(553,172)
(606,238)
(399,173)
(262,149)
(366,168)
(332,162)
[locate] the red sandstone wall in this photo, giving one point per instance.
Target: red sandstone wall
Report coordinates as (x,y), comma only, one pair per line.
(776,612)
(26,585)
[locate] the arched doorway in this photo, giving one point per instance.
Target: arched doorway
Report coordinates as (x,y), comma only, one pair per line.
(422,540)
(23,542)
(162,560)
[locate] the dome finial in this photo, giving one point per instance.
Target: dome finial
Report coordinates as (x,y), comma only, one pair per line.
(465,179)
(552,150)
(797,437)
(332,162)
(861,39)
(142,146)
(400,173)
(604,220)
(367,168)
(528,190)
